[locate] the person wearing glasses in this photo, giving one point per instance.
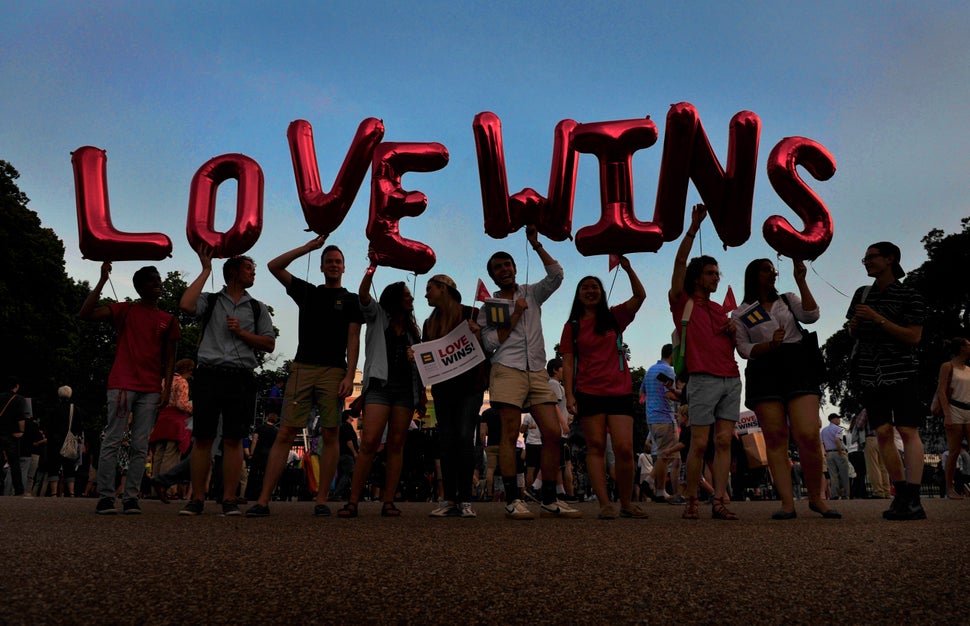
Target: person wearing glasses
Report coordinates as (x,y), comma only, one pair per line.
(714,387)
(886,320)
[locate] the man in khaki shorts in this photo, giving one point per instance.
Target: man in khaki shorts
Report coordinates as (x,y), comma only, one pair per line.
(519,381)
(323,370)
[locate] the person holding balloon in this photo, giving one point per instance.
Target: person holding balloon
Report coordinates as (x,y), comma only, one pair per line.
(781,386)
(599,386)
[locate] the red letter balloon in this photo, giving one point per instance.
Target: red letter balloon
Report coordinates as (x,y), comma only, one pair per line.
(324,212)
(778,232)
(389,203)
(98,239)
(618,231)
(504,214)
(200,226)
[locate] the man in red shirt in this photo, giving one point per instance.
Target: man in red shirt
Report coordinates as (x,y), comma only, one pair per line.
(714,386)
(146,345)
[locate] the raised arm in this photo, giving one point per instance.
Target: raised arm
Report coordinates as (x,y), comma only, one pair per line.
(639,293)
(191,294)
(363,292)
(90,310)
(277,267)
(697,215)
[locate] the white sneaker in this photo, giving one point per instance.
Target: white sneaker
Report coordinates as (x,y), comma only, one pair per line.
(559,509)
(445,509)
(517,509)
(465,510)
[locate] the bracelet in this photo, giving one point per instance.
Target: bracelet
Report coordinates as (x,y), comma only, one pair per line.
(690,234)
(537,247)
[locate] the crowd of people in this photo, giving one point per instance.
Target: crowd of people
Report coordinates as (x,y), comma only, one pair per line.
(527,445)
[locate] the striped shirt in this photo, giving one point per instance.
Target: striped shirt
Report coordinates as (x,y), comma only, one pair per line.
(881,359)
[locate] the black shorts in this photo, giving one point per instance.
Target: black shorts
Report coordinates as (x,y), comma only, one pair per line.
(898,404)
(779,376)
(229,393)
(589,404)
(533,455)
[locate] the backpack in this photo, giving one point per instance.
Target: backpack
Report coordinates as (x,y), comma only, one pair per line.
(211,299)
(679,342)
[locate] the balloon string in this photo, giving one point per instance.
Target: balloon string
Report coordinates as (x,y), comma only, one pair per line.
(700,239)
(112,285)
(827,282)
(528,259)
(616,272)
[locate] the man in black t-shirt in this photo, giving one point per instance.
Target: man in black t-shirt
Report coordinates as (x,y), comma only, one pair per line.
(886,319)
(13,418)
(323,370)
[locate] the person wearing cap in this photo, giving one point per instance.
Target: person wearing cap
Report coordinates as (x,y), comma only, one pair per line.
(518,380)
(322,373)
(886,320)
(456,400)
(391,387)
(147,339)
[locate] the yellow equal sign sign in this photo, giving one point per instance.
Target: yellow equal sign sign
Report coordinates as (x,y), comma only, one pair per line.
(498,315)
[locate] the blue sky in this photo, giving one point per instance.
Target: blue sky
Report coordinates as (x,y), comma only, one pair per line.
(163,87)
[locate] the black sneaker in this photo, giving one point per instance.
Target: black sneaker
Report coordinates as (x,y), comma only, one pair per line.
(106,506)
(130,507)
(321,510)
(257,510)
(194,507)
(230,509)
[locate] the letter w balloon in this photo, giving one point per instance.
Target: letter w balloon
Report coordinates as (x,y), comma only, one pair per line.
(389,203)
(98,239)
(778,232)
(200,225)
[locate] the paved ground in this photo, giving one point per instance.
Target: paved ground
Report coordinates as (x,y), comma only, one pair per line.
(64,564)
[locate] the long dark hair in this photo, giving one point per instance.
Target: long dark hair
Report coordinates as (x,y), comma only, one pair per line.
(605,320)
(392,301)
(752,285)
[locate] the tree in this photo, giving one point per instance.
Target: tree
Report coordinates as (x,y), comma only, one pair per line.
(942,281)
(37,298)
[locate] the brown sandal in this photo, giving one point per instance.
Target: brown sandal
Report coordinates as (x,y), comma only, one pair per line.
(348,510)
(720,510)
(389,510)
(690,511)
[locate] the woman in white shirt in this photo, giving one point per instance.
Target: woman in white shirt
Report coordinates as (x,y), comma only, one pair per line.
(953,394)
(780,384)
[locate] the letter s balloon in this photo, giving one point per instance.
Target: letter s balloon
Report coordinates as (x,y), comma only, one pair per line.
(811,242)
(200,225)
(98,239)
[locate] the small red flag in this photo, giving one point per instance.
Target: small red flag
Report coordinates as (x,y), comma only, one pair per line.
(481,293)
(614,261)
(729,302)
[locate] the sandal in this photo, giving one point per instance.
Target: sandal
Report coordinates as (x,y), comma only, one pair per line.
(348,510)
(389,510)
(690,511)
(719,510)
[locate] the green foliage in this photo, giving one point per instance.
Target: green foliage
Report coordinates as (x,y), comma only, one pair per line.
(942,280)
(37,298)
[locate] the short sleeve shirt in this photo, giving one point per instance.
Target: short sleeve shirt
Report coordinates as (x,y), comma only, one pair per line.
(709,351)
(144,333)
(602,369)
(326,314)
(882,359)
(659,409)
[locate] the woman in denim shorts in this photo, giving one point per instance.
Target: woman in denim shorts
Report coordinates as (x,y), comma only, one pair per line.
(391,387)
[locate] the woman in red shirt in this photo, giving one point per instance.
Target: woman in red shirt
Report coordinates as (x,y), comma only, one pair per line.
(598,385)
